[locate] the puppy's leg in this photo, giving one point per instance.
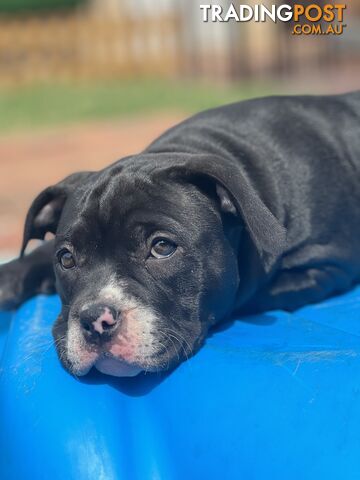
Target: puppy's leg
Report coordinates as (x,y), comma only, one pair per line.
(25,277)
(294,289)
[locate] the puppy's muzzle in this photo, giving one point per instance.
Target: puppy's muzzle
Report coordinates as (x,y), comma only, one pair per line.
(99,322)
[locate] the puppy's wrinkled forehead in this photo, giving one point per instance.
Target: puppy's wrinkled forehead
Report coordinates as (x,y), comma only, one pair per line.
(123,194)
(122,200)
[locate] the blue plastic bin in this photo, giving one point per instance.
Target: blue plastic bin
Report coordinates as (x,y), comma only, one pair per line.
(275,396)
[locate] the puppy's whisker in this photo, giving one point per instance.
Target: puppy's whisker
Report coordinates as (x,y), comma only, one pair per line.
(174,335)
(167,354)
(170,337)
(176,350)
(182,340)
(42,348)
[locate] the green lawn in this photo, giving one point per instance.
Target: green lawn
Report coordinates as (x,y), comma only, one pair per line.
(47,105)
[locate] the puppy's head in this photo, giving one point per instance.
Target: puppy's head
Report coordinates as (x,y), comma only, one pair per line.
(146,260)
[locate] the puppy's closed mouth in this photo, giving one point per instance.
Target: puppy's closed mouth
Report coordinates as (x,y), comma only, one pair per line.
(105,363)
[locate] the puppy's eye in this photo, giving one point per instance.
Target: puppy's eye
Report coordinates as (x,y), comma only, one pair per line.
(162,248)
(66,259)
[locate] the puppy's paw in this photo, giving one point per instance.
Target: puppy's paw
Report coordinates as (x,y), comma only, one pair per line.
(12,283)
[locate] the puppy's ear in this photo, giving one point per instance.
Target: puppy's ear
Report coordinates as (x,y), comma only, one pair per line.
(45,211)
(239,197)
(226,203)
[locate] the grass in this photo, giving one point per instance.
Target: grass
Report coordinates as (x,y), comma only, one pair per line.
(26,108)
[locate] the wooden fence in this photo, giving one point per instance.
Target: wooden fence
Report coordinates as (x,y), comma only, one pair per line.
(81,45)
(77,46)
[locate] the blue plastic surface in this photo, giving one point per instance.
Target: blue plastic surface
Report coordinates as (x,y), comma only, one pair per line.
(274,396)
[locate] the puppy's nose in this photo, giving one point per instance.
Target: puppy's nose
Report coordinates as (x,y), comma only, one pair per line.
(98,321)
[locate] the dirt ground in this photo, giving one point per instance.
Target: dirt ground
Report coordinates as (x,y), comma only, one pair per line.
(32,161)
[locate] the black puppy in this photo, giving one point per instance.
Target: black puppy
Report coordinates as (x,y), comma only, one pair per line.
(243,208)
